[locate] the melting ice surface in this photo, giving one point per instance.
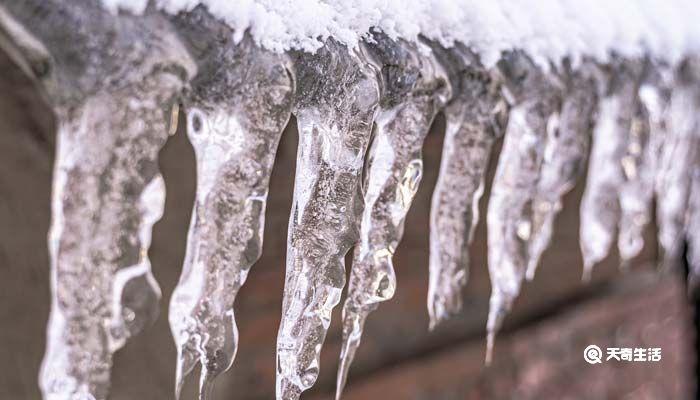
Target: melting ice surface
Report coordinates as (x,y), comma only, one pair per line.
(620,140)
(564,157)
(678,170)
(645,143)
(677,166)
(337,95)
(107,190)
(472,127)
(536,98)
(239,104)
(102,284)
(412,92)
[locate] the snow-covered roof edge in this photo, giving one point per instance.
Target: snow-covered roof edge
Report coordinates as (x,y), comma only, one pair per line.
(547,30)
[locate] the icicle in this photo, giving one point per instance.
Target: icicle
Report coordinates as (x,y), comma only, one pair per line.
(637,191)
(510,218)
(692,227)
(336,100)
(107,194)
(412,92)
(240,103)
(563,158)
(109,93)
(681,150)
(472,127)
(618,144)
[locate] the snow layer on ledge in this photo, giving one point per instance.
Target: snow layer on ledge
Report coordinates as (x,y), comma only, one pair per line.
(548,30)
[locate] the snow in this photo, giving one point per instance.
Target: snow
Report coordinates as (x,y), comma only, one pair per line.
(548,30)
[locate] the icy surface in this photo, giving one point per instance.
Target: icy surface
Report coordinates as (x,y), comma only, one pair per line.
(413,89)
(692,227)
(107,195)
(564,157)
(678,167)
(337,95)
(536,99)
(547,30)
(472,127)
(107,190)
(619,142)
(239,104)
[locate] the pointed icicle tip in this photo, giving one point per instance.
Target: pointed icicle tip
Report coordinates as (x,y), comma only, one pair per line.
(587,273)
(490,337)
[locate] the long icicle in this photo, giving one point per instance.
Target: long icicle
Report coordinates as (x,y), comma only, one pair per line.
(611,163)
(536,99)
(337,95)
(564,158)
(413,90)
(473,117)
(240,103)
(680,152)
(637,190)
(107,192)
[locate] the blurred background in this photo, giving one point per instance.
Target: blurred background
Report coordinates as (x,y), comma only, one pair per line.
(539,354)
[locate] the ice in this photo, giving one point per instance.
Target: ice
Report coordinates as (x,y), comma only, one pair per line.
(110,93)
(564,157)
(413,89)
(337,95)
(692,228)
(620,140)
(238,106)
(107,195)
(472,127)
(535,96)
(637,190)
(678,158)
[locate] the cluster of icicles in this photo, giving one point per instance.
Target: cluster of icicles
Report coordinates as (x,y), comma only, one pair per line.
(362,118)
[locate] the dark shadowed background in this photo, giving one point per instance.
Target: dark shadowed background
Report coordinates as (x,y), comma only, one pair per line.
(539,355)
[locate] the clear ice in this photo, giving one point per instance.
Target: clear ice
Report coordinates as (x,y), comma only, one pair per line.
(336,100)
(620,144)
(473,124)
(413,89)
(677,167)
(107,194)
(564,157)
(238,106)
(535,96)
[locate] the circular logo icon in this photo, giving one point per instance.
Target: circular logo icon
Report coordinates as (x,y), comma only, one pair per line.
(593,354)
